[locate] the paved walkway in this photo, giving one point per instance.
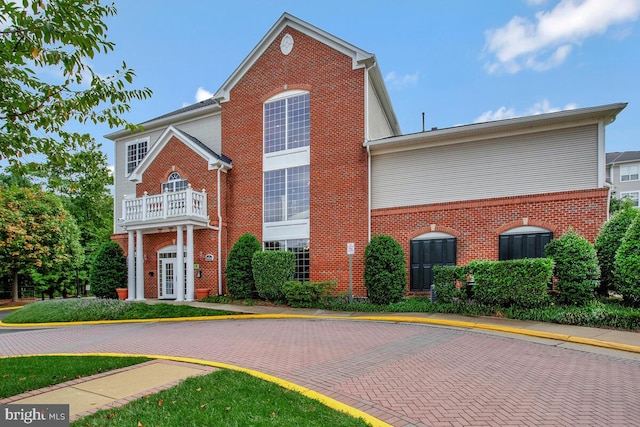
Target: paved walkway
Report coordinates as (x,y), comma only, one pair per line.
(406,370)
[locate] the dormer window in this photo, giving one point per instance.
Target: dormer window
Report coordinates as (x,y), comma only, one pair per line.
(174,183)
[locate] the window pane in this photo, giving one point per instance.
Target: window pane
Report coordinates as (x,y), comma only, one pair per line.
(301,248)
(275,126)
(298,193)
(274,196)
(298,115)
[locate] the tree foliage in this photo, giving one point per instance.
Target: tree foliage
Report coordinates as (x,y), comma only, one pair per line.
(57,39)
(576,268)
(36,233)
(627,264)
(238,272)
(607,243)
(109,271)
(385,272)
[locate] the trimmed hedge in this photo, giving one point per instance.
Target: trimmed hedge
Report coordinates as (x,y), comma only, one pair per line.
(271,269)
(607,243)
(627,264)
(385,272)
(238,272)
(576,268)
(450,283)
(306,294)
(109,271)
(519,283)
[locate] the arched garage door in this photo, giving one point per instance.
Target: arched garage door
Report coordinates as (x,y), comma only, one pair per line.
(427,251)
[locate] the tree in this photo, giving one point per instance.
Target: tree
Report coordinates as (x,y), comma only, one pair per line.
(34,232)
(607,244)
(109,271)
(385,272)
(239,274)
(56,37)
(576,267)
(627,264)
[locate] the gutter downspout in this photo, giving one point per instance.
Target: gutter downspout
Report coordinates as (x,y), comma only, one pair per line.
(366,139)
(219,234)
(369,193)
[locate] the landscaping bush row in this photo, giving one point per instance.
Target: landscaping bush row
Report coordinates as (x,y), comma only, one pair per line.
(520,283)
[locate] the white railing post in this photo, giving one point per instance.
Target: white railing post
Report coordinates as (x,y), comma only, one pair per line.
(144,206)
(165,204)
(189,200)
(124,208)
(203,205)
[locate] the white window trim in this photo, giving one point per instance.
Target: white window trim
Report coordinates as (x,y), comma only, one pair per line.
(136,142)
(637,166)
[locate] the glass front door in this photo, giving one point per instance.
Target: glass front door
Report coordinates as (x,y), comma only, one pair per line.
(168,279)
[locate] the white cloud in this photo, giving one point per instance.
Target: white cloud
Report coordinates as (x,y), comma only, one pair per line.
(503,112)
(202,94)
(401,82)
(546,43)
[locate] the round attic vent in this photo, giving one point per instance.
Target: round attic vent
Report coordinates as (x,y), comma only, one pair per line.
(286,44)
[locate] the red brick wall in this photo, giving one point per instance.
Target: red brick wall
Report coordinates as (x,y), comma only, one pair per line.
(338,186)
(478,223)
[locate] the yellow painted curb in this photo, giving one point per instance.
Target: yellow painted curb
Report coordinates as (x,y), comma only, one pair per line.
(325,400)
(11,308)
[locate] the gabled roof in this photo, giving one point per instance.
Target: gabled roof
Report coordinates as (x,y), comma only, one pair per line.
(360,58)
(520,125)
(214,160)
(623,157)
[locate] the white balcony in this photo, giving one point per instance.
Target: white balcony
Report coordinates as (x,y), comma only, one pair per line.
(187,205)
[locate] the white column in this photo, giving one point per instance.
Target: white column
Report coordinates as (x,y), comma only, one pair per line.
(180,266)
(190,271)
(139,266)
(131,265)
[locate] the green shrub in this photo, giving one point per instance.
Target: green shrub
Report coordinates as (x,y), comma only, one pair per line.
(521,283)
(450,283)
(109,271)
(306,294)
(576,268)
(385,272)
(238,272)
(607,244)
(627,264)
(271,269)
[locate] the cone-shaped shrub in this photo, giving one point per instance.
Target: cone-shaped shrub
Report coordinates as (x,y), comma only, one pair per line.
(109,271)
(385,271)
(239,274)
(627,264)
(607,243)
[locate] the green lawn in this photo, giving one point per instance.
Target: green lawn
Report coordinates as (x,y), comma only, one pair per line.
(87,309)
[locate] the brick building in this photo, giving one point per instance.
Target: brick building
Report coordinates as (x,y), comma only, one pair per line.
(300,146)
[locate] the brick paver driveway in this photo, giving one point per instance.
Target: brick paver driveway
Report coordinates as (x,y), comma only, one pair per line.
(405,374)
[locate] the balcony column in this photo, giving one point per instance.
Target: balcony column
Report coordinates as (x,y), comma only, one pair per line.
(139,267)
(190,270)
(131,265)
(180,261)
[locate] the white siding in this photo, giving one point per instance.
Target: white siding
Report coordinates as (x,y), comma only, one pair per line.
(378,124)
(560,160)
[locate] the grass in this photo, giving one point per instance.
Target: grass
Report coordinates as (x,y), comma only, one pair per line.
(223,398)
(75,310)
(22,374)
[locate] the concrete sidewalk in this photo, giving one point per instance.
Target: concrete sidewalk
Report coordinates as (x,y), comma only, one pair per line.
(113,388)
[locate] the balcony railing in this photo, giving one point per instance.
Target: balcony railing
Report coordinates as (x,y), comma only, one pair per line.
(187,203)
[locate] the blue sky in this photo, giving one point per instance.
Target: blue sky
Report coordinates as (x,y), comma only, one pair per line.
(458,61)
